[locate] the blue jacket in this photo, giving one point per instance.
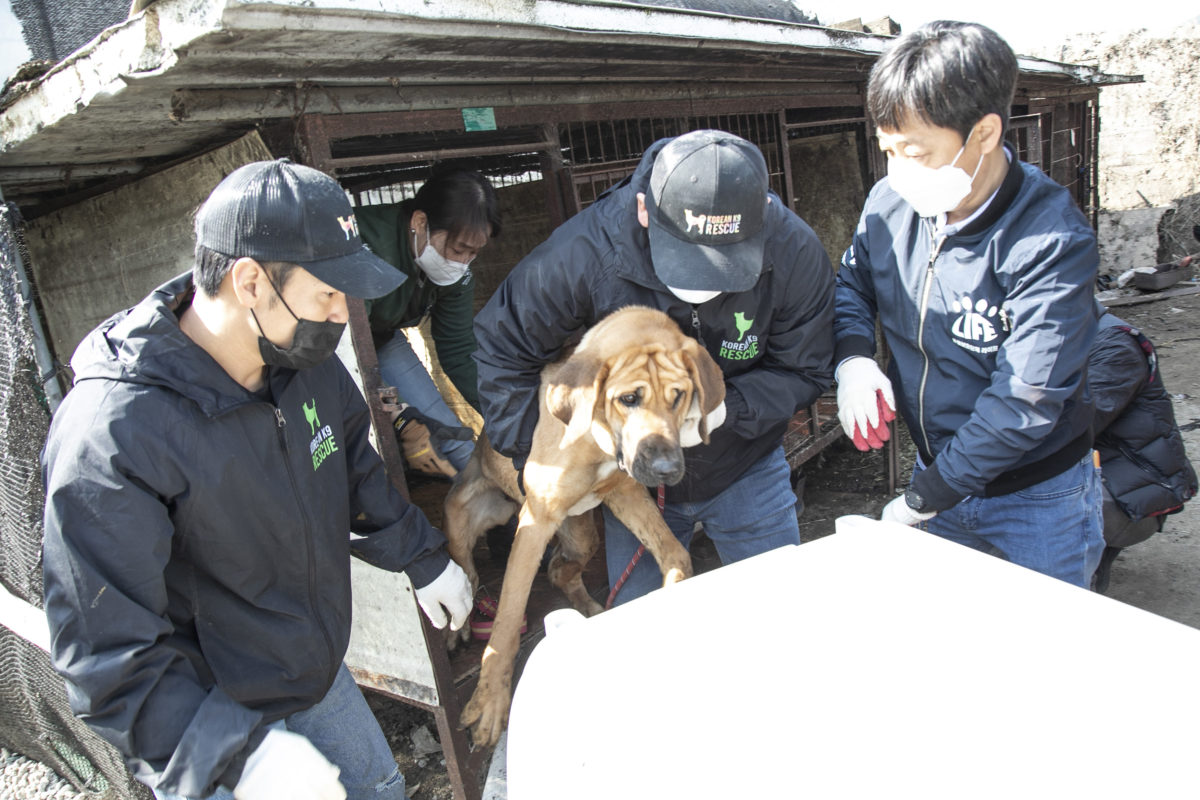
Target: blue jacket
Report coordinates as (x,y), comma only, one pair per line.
(778,361)
(989,332)
(198,541)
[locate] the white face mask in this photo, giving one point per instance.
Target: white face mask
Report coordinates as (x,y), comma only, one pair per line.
(932,191)
(440,270)
(693,296)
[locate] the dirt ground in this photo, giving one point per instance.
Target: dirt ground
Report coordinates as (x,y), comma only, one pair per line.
(1161,575)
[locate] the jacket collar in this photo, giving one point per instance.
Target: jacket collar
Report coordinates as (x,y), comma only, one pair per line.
(1013,180)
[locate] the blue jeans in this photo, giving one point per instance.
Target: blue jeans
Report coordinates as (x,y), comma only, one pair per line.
(1055,527)
(400,367)
(343,728)
(755,514)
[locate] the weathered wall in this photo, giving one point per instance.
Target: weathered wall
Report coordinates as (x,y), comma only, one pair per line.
(828,188)
(1149,133)
(96,257)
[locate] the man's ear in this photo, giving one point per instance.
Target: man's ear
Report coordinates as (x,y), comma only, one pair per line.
(248,280)
(643,214)
(990,131)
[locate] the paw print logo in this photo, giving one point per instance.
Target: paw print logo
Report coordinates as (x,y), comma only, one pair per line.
(975,320)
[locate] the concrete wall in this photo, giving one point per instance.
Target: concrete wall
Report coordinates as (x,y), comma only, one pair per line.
(99,256)
(1149,132)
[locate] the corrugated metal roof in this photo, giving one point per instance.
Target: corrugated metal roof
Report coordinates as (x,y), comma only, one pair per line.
(185,75)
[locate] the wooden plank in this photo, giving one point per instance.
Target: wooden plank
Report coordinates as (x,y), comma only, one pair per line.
(1146,298)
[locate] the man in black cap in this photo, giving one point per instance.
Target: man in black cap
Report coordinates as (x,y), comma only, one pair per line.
(696,233)
(203,479)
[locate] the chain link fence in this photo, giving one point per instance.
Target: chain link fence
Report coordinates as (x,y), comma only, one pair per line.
(35,719)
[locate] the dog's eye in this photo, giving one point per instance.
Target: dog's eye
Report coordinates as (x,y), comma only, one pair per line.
(678,397)
(630,399)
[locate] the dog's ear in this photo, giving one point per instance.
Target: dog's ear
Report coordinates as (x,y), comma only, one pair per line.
(573,391)
(707,379)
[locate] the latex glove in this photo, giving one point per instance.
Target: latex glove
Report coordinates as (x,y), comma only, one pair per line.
(451,589)
(417,445)
(286,766)
(689,431)
(865,402)
(900,511)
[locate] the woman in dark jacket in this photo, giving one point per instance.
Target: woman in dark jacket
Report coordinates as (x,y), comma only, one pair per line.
(431,239)
(1144,467)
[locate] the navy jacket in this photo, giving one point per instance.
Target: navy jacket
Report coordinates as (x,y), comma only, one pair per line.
(1142,459)
(777,361)
(198,541)
(989,332)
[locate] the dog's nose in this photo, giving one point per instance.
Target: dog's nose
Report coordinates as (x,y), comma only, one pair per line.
(669,470)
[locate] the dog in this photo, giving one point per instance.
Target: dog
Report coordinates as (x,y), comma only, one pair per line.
(694,220)
(614,415)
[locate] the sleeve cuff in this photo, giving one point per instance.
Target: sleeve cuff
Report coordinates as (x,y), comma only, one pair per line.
(425,571)
(938,494)
(233,772)
(852,346)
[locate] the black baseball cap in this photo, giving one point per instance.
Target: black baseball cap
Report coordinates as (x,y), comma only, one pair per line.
(707,201)
(280,211)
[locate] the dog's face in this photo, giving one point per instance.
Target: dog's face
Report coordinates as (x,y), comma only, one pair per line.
(634,399)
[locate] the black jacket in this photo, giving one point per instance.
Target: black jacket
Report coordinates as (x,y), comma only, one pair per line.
(197,543)
(1142,459)
(598,262)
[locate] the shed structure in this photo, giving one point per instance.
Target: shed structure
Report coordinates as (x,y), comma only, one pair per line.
(105,156)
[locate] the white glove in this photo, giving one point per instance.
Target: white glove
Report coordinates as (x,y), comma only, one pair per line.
(900,511)
(689,431)
(286,766)
(864,394)
(451,589)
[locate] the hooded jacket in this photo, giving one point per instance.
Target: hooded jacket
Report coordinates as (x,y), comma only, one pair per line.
(773,342)
(1143,462)
(989,331)
(197,543)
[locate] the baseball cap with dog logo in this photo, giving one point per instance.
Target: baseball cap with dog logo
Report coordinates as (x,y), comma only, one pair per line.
(280,211)
(707,202)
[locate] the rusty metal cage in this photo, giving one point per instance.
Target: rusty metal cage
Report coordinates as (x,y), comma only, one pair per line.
(602,153)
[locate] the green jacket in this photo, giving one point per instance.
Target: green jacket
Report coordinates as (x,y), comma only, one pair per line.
(451,308)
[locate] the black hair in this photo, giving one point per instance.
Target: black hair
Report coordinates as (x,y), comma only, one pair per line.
(211,267)
(457,201)
(946,74)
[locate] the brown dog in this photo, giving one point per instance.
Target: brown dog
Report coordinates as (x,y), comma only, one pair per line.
(611,414)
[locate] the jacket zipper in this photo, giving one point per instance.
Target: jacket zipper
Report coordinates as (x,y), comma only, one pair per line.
(696,324)
(935,248)
(281,428)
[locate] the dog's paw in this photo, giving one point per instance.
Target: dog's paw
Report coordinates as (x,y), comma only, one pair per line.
(486,714)
(453,638)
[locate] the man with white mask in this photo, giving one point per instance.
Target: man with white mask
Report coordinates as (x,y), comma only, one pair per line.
(980,270)
(695,232)
(431,240)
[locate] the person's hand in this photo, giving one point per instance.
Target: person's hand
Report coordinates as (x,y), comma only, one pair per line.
(286,766)
(419,451)
(865,402)
(689,431)
(450,591)
(900,511)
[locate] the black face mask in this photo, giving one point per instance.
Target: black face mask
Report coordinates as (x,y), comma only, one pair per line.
(312,343)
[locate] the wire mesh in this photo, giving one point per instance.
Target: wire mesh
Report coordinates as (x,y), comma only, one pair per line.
(603,153)
(35,718)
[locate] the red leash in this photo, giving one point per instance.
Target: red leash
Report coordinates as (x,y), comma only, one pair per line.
(637,554)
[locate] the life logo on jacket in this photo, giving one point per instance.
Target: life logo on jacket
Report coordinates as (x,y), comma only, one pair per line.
(975,326)
(323,444)
(746,346)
